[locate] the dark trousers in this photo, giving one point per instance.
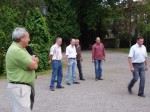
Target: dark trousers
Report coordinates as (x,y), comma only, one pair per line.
(80,69)
(139,71)
(32,96)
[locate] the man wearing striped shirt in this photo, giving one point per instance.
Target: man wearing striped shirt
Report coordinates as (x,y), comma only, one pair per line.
(55,60)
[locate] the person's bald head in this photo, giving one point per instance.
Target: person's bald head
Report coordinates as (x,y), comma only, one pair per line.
(98,40)
(77,41)
(59,41)
(73,42)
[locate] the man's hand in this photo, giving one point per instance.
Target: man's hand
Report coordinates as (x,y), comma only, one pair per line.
(50,62)
(81,59)
(68,64)
(34,58)
(104,58)
(132,69)
(92,61)
(146,68)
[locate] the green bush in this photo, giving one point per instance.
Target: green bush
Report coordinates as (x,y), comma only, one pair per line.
(40,36)
(9,19)
(2,51)
(62,19)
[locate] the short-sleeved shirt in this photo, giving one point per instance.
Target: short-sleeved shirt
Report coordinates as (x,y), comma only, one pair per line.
(56,51)
(17,62)
(71,51)
(138,53)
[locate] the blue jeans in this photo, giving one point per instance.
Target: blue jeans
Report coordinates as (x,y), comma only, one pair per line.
(139,71)
(56,71)
(71,70)
(98,68)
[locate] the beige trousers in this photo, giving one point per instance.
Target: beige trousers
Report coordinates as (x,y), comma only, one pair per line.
(19,97)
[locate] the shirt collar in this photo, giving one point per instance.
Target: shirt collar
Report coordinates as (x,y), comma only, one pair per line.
(16,44)
(71,46)
(98,44)
(57,45)
(138,45)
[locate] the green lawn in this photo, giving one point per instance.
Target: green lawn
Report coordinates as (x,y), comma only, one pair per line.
(39,73)
(124,50)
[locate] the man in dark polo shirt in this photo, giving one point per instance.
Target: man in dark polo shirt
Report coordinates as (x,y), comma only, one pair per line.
(79,59)
(20,68)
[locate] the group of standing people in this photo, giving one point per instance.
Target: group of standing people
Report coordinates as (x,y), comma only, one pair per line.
(73,59)
(21,64)
(73,55)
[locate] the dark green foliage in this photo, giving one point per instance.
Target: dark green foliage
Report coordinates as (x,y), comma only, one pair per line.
(14,14)
(85,19)
(8,21)
(62,19)
(40,36)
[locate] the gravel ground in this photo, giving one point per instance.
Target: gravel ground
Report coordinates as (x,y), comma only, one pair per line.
(109,95)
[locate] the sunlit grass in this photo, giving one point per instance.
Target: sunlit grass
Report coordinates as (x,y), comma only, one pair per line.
(124,50)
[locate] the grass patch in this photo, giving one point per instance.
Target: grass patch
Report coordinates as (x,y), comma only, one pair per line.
(3,76)
(43,72)
(124,50)
(49,71)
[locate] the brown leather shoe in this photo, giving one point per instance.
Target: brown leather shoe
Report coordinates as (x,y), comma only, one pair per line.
(141,95)
(76,82)
(52,89)
(100,79)
(96,79)
(61,87)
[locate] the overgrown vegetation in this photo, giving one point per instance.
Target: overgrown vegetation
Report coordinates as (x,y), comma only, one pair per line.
(83,19)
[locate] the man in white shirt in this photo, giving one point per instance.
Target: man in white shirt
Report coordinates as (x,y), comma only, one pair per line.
(138,64)
(71,62)
(55,60)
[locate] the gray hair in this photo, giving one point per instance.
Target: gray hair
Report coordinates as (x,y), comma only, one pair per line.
(17,33)
(58,38)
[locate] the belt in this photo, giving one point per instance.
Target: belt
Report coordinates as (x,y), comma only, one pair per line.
(56,60)
(72,58)
(138,63)
(20,83)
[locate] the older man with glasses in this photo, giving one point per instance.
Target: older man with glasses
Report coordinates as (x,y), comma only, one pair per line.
(20,67)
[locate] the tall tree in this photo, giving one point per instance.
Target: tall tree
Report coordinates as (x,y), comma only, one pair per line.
(62,19)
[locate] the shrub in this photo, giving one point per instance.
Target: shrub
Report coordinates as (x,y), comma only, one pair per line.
(9,20)
(40,36)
